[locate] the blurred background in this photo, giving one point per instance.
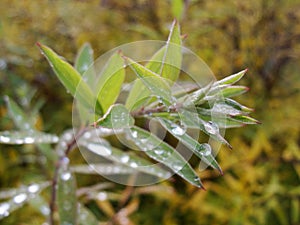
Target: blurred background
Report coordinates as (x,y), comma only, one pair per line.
(261,182)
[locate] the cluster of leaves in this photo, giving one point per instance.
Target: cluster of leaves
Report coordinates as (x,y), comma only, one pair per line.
(151,97)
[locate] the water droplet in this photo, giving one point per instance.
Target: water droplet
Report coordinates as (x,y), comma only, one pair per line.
(158,151)
(67,136)
(4,139)
(178,130)
(33,188)
(124,159)
(18,199)
(102,196)
(45,210)
(66,176)
(133,164)
(99,149)
(19,141)
(211,127)
(87,135)
(134,134)
(177,167)
(206,151)
(28,140)
(4,207)
(26,126)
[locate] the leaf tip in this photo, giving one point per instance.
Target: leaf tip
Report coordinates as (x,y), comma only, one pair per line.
(184,36)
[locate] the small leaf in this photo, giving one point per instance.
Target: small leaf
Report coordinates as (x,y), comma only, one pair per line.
(103,168)
(21,120)
(202,151)
(103,149)
(26,137)
(237,105)
(66,194)
(157,85)
(117,117)
(171,63)
(110,82)
(233,91)
(232,79)
(71,79)
(245,120)
(84,58)
(161,152)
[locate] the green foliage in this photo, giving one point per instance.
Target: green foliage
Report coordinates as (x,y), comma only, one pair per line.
(261,179)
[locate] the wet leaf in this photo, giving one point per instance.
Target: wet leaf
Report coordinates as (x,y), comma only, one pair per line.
(245,120)
(171,63)
(161,152)
(202,151)
(21,196)
(21,120)
(157,85)
(104,149)
(71,79)
(110,82)
(237,105)
(26,137)
(117,117)
(84,58)
(103,168)
(66,194)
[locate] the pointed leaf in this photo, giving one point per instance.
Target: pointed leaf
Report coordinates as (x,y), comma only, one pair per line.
(237,105)
(202,151)
(232,79)
(157,85)
(71,79)
(245,120)
(171,63)
(103,168)
(110,82)
(161,152)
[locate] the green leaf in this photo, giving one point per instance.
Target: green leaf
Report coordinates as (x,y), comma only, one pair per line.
(161,152)
(237,105)
(231,91)
(26,137)
(232,79)
(202,151)
(21,120)
(86,216)
(165,62)
(104,149)
(84,58)
(103,168)
(66,194)
(157,85)
(71,79)
(245,120)
(171,63)
(192,120)
(110,82)
(117,117)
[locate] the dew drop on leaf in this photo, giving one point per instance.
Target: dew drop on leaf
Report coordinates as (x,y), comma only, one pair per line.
(211,127)
(18,199)
(207,150)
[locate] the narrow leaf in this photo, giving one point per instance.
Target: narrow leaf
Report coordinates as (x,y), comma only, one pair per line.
(26,137)
(103,149)
(66,194)
(233,91)
(232,79)
(86,216)
(21,120)
(171,63)
(110,82)
(103,168)
(237,105)
(202,151)
(245,120)
(161,152)
(177,8)
(71,79)
(157,85)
